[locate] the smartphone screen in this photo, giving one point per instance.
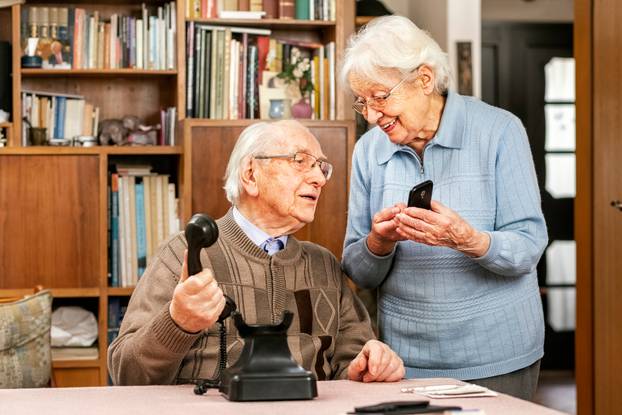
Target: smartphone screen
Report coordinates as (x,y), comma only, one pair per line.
(421,195)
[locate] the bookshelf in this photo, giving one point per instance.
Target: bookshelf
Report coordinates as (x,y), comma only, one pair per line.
(54,203)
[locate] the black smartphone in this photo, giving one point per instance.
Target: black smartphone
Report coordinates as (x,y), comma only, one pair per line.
(421,195)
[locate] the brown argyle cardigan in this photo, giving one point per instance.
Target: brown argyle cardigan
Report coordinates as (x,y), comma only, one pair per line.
(329,328)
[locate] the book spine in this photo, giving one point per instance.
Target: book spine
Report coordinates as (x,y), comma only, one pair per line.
(251,90)
(302,9)
(159,210)
(213,69)
(286,9)
(114,230)
(145,34)
(141,237)
(226,69)
(331,80)
(114,311)
(173,226)
(62,101)
(133,257)
(153,223)
(148,217)
(271,7)
(109,233)
(190,70)
(123,249)
(172,51)
(165,211)
(201,73)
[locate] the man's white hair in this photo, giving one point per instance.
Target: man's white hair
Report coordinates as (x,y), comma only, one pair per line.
(255,139)
(394,43)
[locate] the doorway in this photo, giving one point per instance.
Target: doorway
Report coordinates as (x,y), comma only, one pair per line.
(528,69)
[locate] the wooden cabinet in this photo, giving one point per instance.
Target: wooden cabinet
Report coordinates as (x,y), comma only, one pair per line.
(54,200)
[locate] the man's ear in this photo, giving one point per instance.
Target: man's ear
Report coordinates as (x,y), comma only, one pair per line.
(249,179)
(427,79)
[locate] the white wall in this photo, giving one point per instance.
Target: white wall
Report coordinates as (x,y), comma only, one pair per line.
(448,22)
(528,11)
(432,19)
(464,17)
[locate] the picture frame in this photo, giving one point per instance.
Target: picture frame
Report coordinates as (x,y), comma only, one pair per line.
(465,68)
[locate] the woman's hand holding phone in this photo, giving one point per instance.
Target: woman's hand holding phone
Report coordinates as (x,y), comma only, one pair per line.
(441,226)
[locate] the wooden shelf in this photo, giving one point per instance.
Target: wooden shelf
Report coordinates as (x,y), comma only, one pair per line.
(56,292)
(208,122)
(95,72)
(56,364)
(270,23)
(120,291)
(53,150)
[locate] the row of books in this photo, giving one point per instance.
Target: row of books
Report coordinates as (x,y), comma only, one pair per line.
(90,41)
(255,9)
(230,69)
(142,213)
(62,115)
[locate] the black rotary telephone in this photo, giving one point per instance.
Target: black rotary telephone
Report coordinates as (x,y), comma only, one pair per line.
(266,370)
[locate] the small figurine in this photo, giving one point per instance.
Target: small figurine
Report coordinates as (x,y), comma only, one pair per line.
(128,131)
(112,132)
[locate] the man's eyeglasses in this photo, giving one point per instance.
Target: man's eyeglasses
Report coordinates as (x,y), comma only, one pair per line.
(303,162)
(378,103)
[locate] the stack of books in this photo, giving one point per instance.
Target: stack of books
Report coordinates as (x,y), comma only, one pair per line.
(142,212)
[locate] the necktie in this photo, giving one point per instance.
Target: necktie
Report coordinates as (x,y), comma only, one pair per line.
(272,246)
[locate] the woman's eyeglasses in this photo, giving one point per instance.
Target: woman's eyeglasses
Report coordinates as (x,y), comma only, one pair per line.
(377,103)
(303,162)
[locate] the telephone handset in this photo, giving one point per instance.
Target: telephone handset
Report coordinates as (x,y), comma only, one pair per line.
(202,232)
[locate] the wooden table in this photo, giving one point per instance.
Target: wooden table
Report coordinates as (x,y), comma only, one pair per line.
(334,397)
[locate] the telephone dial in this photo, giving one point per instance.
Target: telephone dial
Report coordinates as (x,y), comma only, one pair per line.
(266,370)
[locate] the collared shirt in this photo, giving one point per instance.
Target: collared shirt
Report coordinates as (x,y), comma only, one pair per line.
(257,235)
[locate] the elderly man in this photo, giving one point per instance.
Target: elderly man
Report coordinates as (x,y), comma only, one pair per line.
(274,178)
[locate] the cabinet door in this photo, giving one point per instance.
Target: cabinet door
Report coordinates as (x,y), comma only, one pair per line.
(49,221)
(212,145)
(607,208)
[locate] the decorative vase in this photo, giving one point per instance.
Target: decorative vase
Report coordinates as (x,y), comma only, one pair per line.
(302,108)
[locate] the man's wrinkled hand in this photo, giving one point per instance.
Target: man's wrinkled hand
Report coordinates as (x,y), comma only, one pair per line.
(376,363)
(197,300)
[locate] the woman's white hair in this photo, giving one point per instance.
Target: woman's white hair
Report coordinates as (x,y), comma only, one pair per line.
(255,139)
(394,43)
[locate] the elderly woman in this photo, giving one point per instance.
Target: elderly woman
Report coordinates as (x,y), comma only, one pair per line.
(458,292)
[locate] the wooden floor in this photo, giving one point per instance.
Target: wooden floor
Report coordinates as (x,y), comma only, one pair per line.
(557,390)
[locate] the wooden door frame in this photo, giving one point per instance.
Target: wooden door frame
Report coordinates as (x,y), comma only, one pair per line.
(584,338)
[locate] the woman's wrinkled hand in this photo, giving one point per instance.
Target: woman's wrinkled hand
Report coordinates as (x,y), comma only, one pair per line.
(441,226)
(383,234)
